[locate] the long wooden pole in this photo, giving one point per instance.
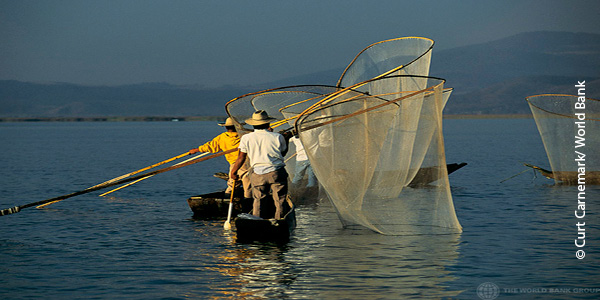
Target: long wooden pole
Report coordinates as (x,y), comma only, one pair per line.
(144,169)
(132,183)
(125,176)
(17,209)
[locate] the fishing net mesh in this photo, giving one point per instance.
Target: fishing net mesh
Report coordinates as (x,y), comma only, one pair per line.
(568,132)
(380,155)
(294,100)
(402,56)
(375,140)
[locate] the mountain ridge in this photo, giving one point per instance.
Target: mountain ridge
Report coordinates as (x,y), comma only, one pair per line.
(488,78)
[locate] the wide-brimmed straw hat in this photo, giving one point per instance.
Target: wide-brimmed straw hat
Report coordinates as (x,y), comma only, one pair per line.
(260,117)
(228,122)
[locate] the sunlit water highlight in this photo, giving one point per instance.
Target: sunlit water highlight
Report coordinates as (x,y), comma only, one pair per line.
(143,243)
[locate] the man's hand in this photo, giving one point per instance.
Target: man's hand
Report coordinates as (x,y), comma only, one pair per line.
(234,176)
(287,134)
(195,150)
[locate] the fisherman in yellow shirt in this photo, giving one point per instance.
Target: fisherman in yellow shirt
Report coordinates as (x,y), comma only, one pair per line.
(223,142)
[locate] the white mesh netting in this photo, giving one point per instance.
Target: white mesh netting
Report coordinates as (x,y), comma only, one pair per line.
(375,140)
(402,56)
(367,148)
(567,132)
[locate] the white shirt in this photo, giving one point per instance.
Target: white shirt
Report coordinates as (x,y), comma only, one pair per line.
(300,153)
(264,150)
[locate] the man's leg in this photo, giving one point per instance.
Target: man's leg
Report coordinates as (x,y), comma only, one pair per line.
(230,182)
(312,179)
(260,190)
(279,189)
(299,171)
(244,174)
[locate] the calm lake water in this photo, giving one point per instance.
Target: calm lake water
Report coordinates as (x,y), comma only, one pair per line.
(143,243)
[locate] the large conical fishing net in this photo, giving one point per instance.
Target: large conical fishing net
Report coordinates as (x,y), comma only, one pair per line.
(401,56)
(375,140)
(367,148)
(571,135)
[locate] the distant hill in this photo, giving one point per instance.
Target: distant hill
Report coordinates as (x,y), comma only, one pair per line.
(488,78)
(24,99)
(496,77)
(508,96)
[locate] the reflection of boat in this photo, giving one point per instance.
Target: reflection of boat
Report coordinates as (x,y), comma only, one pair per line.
(569,177)
(431,174)
(251,228)
(216,205)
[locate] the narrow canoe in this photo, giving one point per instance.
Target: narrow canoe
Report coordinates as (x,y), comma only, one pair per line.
(216,205)
(251,228)
(428,175)
(569,177)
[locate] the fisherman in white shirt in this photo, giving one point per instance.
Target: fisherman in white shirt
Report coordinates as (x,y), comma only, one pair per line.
(265,150)
(302,165)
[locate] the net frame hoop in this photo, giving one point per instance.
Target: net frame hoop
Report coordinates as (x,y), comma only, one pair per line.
(281,122)
(308,111)
(338,84)
(285,120)
(253,98)
(300,102)
(343,90)
(314,106)
(268,91)
(356,98)
(554,113)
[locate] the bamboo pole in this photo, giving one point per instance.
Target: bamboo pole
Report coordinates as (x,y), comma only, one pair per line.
(134,182)
(17,209)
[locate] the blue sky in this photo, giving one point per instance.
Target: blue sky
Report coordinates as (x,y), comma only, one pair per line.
(225,42)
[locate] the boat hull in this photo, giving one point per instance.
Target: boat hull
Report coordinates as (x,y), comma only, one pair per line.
(428,175)
(250,228)
(216,205)
(569,178)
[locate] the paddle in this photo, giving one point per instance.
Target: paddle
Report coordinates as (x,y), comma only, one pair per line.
(227,224)
(132,183)
(17,209)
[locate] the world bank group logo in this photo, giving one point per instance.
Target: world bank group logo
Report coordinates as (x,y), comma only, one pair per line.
(488,291)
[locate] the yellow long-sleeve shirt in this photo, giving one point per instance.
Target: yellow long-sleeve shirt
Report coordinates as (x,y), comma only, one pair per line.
(223,142)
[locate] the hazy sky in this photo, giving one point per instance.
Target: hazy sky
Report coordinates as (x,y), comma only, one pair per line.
(243,42)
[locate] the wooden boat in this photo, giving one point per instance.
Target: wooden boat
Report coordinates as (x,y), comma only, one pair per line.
(216,205)
(428,175)
(568,178)
(251,228)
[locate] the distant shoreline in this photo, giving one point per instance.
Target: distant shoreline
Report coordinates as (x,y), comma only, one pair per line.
(219,118)
(115,119)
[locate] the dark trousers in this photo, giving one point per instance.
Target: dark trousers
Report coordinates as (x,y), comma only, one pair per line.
(275,182)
